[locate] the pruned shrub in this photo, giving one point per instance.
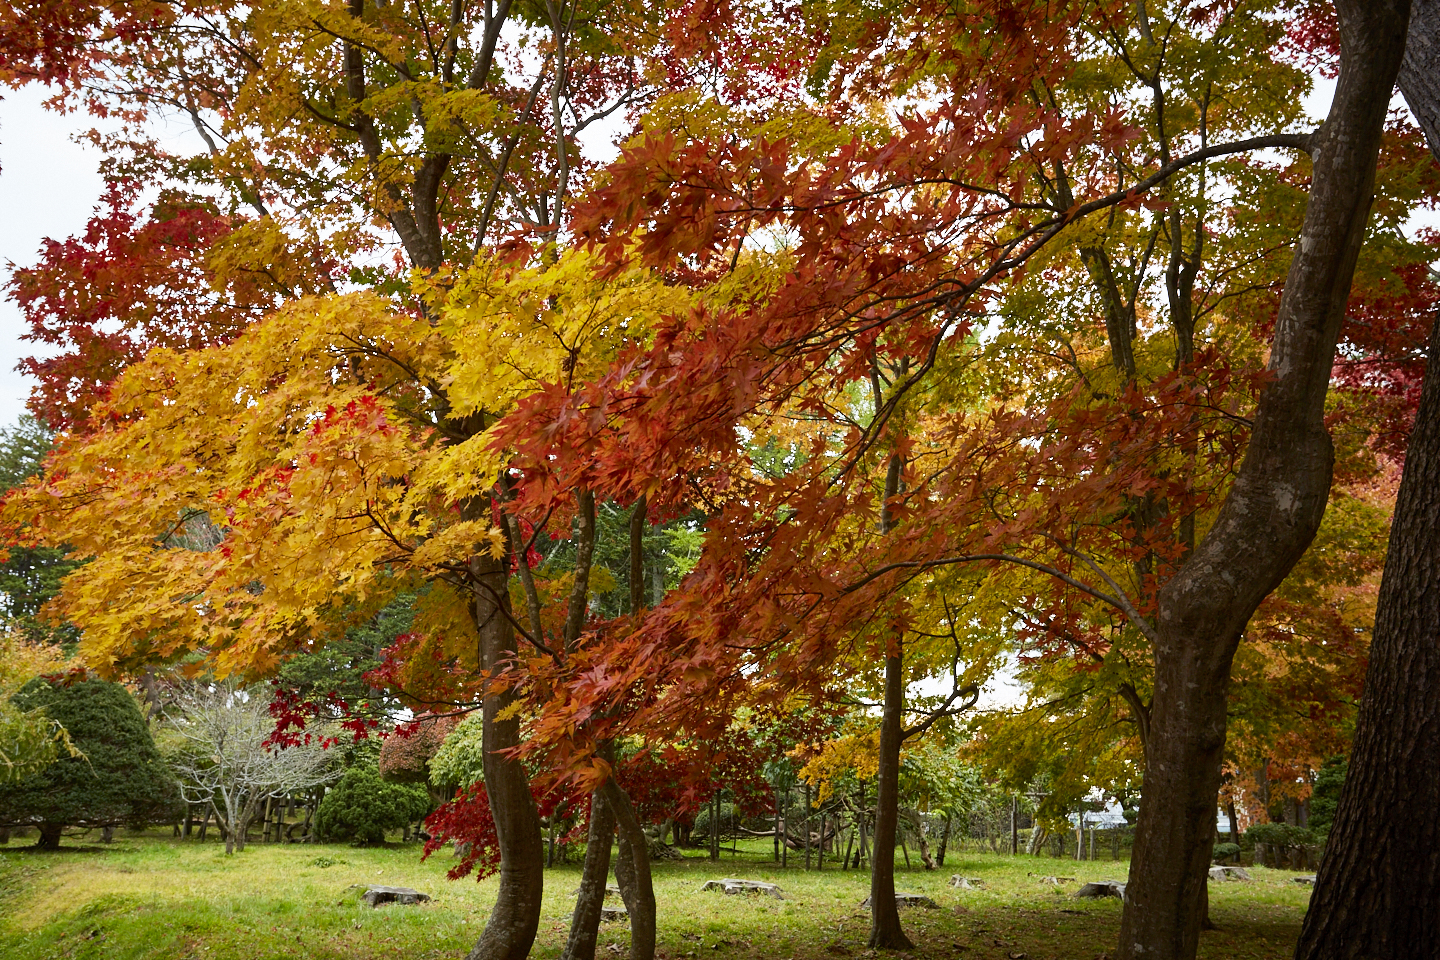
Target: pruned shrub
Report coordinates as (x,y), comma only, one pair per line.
(362,806)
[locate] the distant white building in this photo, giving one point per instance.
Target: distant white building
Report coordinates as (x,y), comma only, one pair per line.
(1112,816)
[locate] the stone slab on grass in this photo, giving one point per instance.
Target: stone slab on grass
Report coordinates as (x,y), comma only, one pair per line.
(904,900)
(612,914)
(1053,881)
(1225,874)
(375,896)
(732,886)
(966,883)
(1309,881)
(1102,888)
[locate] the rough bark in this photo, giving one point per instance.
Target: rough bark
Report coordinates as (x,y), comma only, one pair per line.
(515,917)
(1271,513)
(585,921)
(632,872)
(1378,890)
(885,931)
(49,838)
(1420,70)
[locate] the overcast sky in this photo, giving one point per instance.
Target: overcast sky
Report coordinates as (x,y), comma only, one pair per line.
(48,187)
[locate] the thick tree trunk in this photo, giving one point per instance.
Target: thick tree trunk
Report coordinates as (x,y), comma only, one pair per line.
(49,836)
(885,931)
(1420,71)
(1271,513)
(632,873)
(1378,890)
(585,921)
(515,917)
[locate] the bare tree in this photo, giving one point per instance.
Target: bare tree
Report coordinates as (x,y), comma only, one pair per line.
(224,761)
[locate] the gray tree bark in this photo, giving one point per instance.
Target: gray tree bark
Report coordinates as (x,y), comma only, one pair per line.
(632,872)
(585,921)
(1377,893)
(1420,70)
(1269,516)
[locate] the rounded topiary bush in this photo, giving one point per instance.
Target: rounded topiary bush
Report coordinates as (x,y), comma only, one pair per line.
(362,806)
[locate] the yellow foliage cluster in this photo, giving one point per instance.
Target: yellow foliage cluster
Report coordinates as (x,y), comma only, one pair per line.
(254,498)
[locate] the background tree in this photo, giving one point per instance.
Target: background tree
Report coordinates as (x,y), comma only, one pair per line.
(224,758)
(119,777)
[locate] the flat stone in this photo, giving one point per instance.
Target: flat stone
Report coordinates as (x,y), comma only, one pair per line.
(1308,881)
(966,883)
(732,886)
(1053,881)
(907,900)
(611,914)
(374,896)
(1102,888)
(1225,874)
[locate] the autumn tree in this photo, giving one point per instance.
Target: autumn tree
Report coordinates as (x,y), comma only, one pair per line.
(876,267)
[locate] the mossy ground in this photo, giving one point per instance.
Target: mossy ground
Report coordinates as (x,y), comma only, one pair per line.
(152,898)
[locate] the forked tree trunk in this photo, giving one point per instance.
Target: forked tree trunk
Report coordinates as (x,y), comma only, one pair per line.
(49,838)
(1378,890)
(885,931)
(1271,513)
(632,872)
(585,921)
(510,931)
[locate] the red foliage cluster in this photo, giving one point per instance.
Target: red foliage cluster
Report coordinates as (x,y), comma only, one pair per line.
(292,712)
(128,284)
(466,820)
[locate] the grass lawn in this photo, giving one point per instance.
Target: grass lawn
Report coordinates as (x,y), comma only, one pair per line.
(161,899)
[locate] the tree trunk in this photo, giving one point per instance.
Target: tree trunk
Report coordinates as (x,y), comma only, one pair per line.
(805,825)
(944,841)
(632,873)
(510,931)
(1420,70)
(1378,889)
(885,931)
(585,921)
(1271,513)
(921,841)
(49,836)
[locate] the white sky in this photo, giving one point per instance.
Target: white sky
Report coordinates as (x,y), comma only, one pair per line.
(48,188)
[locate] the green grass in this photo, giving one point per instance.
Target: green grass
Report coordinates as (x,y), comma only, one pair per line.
(150,898)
